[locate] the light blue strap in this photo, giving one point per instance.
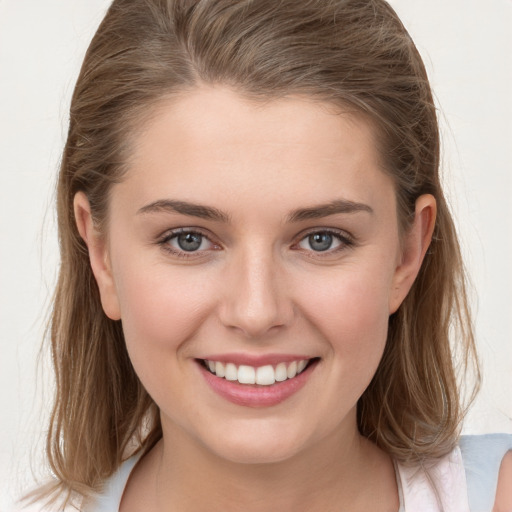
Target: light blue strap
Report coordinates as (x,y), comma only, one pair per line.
(482,456)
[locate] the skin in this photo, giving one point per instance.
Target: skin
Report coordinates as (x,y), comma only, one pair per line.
(503,501)
(256,286)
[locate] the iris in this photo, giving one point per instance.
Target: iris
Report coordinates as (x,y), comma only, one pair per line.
(189,241)
(320,241)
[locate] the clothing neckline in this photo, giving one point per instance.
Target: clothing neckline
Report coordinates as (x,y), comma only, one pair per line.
(110,499)
(441,487)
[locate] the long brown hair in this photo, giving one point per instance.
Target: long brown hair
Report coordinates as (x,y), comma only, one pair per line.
(351,53)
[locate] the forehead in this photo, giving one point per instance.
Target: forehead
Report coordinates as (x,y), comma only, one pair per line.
(215,143)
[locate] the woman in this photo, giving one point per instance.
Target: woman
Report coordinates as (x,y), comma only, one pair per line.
(259,271)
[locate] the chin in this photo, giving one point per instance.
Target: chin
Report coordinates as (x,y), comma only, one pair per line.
(258,446)
(256,453)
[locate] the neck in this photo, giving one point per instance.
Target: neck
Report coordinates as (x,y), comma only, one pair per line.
(342,472)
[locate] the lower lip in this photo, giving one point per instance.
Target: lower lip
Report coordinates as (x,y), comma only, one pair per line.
(252,395)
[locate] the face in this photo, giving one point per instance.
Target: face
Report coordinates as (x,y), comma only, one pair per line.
(254,258)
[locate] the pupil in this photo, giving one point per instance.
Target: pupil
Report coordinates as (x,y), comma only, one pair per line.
(189,241)
(320,241)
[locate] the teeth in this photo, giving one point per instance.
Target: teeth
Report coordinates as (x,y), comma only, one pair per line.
(231,372)
(219,369)
(292,370)
(263,375)
(246,375)
(281,372)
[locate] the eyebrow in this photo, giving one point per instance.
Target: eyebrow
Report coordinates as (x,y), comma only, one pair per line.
(185,208)
(332,208)
(210,213)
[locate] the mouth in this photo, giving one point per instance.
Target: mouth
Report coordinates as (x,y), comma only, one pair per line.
(266,375)
(257,386)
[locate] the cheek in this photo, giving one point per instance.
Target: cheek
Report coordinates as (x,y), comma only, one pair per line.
(351,311)
(160,307)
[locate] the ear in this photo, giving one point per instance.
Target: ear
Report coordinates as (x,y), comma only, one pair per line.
(415,244)
(98,256)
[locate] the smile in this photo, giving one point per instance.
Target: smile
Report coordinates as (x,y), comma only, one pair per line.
(261,375)
(264,383)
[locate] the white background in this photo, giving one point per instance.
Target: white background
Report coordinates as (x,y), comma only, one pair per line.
(467,46)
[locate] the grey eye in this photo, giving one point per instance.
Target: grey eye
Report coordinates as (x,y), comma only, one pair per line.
(320,241)
(189,242)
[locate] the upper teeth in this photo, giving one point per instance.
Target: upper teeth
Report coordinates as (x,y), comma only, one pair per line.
(262,375)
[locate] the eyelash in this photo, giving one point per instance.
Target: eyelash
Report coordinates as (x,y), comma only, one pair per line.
(346,242)
(163,242)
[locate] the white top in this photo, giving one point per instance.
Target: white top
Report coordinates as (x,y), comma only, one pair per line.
(465,480)
(417,493)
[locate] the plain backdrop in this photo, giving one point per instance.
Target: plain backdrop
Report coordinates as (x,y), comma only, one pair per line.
(466,45)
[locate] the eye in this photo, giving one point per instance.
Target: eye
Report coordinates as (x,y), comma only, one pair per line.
(185,242)
(188,242)
(318,242)
(323,241)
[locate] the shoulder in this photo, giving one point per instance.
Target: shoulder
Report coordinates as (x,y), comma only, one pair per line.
(483,455)
(434,487)
(110,498)
(464,480)
(503,501)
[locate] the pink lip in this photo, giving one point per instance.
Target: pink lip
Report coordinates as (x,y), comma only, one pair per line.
(256,360)
(253,395)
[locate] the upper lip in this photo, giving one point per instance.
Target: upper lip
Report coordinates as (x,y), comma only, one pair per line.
(256,360)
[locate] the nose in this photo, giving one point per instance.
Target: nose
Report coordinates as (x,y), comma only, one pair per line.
(256,300)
